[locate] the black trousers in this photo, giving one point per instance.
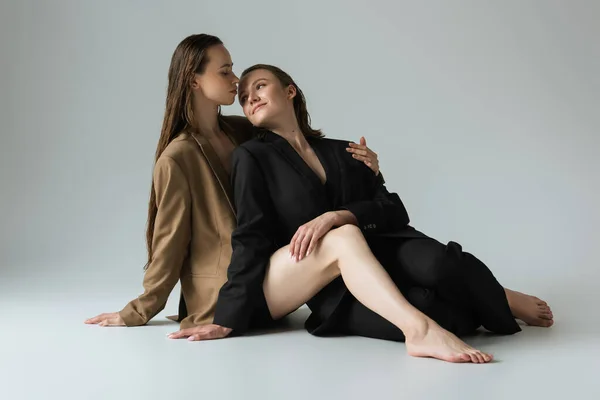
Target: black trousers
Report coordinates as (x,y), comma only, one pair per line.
(451,286)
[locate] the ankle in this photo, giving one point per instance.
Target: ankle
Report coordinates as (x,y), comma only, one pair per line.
(416,328)
(510,298)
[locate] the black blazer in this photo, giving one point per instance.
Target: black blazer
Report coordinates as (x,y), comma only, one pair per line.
(276,192)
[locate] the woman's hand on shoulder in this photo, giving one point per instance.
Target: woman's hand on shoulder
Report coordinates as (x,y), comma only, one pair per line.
(362,153)
(106,319)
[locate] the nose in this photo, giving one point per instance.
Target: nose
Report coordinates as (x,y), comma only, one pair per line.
(253,97)
(236,80)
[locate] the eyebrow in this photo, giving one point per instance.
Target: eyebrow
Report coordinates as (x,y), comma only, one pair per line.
(252,84)
(226,65)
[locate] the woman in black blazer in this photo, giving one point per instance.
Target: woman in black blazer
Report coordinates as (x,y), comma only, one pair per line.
(317,226)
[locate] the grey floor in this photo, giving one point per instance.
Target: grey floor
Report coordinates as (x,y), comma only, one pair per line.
(48,353)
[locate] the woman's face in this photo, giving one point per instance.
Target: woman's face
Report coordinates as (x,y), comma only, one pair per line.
(263,99)
(217,83)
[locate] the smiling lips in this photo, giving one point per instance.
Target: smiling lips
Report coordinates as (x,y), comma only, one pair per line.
(257,107)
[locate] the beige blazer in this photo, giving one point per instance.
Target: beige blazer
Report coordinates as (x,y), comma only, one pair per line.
(192,234)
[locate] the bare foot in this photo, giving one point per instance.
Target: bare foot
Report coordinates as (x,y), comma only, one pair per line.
(529,309)
(431,340)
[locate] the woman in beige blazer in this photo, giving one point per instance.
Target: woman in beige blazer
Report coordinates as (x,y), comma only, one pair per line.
(191,214)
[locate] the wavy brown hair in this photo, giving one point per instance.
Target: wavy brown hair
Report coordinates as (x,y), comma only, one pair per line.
(300,109)
(189,58)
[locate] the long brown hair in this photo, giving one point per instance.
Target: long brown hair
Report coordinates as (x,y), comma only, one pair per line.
(300,109)
(189,58)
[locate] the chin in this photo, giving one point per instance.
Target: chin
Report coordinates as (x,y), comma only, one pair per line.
(258,122)
(228,102)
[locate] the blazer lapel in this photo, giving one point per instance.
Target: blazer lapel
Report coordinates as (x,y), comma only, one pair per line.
(293,158)
(217,167)
(334,168)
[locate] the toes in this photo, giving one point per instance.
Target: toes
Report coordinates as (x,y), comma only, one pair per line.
(544,310)
(479,357)
(483,357)
(474,358)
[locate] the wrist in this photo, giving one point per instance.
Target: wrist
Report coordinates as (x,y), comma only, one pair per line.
(343,217)
(335,218)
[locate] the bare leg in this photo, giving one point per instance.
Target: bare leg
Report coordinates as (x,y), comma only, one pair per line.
(289,284)
(529,309)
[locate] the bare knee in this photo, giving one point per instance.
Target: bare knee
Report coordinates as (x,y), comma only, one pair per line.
(345,233)
(342,239)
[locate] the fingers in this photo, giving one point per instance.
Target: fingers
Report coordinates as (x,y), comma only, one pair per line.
(209,334)
(97,319)
(362,158)
(315,240)
(293,244)
(364,154)
(298,246)
(367,161)
(363,141)
(116,321)
(304,245)
(357,149)
(181,333)
(203,336)
(311,246)
(296,242)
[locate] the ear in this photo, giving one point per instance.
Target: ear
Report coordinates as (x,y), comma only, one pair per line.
(195,83)
(291,92)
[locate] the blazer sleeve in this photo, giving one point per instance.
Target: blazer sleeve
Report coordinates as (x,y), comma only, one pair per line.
(241,128)
(382,211)
(170,243)
(252,243)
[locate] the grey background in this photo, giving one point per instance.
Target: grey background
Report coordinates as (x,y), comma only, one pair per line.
(485,116)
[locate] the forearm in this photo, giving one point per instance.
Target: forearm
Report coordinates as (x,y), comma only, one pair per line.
(170,240)
(158,284)
(343,217)
(252,243)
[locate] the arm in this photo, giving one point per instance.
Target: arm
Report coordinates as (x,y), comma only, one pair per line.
(252,243)
(382,213)
(240,127)
(172,232)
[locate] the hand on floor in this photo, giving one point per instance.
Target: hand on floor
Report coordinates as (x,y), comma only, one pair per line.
(204,332)
(106,319)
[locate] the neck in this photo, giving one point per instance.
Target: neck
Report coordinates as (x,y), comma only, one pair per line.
(206,116)
(292,133)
